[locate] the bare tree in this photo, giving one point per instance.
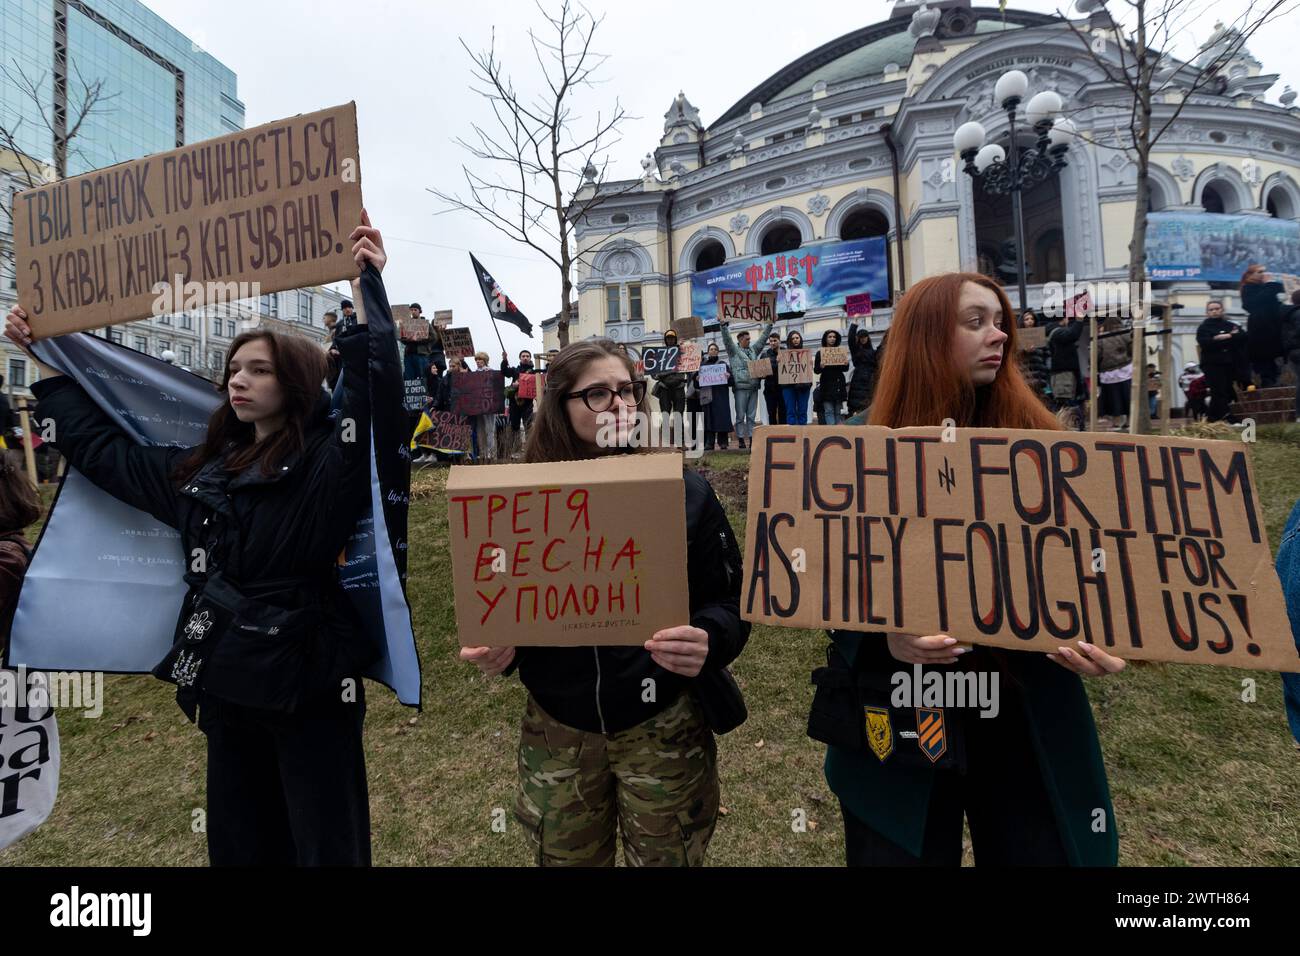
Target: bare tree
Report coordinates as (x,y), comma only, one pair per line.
(538,174)
(1140,38)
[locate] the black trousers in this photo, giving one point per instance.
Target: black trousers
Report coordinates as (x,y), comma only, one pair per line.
(1001,795)
(1219,378)
(287,789)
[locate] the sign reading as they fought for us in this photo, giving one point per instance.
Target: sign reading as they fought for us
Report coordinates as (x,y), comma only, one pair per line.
(551,554)
(1148,547)
(230,218)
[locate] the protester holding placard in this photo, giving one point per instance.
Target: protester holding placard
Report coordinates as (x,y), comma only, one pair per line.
(833,388)
(1030,777)
(739,354)
(417,353)
(619,739)
(520,407)
(795,397)
(864,368)
(772,395)
(268,651)
(715,402)
(670,389)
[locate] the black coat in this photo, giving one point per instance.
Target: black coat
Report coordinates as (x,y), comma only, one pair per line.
(599,689)
(831,383)
(864,371)
(1263,324)
(1063,344)
(276,538)
(1222,354)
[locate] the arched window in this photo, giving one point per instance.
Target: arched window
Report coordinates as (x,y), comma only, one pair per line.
(781,237)
(1280,205)
(865,223)
(1212,199)
(995,231)
(710,256)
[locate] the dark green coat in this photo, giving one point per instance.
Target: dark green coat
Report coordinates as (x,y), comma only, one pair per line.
(894,800)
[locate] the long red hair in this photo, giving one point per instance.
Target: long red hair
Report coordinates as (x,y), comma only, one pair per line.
(920,384)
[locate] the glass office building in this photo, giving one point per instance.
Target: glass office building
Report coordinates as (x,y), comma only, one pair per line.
(160,89)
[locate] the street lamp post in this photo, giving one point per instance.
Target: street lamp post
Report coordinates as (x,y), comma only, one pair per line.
(999,174)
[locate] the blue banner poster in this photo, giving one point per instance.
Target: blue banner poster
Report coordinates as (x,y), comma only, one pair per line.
(1217,247)
(811,277)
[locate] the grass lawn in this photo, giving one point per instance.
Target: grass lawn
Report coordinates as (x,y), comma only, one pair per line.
(1198,776)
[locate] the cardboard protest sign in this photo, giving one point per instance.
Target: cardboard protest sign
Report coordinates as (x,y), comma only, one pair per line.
(230,218)
(527,386)
(715,374)
(1149,547)
(458,344)
(794,367)
(689,357)
(551,554)
(415,394)
(691,327)
(1034,337)
(442,318)
(833,355)
(858,306)
(478,393)
(659,360)
(760,368)
(450,432)
(746,305)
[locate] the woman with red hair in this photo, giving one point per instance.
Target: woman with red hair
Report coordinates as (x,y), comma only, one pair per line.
(1025,769)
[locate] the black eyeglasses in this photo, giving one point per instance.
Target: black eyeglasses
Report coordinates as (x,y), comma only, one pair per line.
(600,398)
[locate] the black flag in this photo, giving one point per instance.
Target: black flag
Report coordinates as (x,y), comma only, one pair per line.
(498,302)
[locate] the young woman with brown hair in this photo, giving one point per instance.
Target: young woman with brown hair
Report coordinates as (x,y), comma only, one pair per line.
(266,644)
(597,755)
(1033,786)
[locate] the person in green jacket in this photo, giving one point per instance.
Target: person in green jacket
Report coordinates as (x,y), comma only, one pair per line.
(1026,772)
(739,355)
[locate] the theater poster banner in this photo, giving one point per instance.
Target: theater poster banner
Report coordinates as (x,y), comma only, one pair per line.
(810,277)
(1217,247)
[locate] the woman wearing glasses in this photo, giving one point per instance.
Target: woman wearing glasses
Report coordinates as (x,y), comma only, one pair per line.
(614,738)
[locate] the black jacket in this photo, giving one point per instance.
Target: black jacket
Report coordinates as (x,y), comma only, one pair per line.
(599,689)
(1264,317)
(1062,343)
(1219,354)
(833,386)
(1290,328)
(864,371)
(275,537)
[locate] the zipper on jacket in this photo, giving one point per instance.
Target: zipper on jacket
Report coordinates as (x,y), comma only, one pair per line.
(600,715)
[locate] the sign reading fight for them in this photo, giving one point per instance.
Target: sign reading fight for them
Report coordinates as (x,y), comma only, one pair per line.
(551,554)
(1148,547)
(192,227)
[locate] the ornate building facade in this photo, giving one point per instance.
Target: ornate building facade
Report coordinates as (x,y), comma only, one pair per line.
(854,139)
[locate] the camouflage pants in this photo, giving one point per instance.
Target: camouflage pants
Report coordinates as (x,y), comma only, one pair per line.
(656,783)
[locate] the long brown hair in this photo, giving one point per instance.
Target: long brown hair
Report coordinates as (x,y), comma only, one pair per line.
(299,366)
(1246,275)
(20,502)
(551,437)
(920,384)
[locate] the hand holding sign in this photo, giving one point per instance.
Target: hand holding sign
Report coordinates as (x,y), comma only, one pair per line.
(681,650)
(491,661)
(368,245)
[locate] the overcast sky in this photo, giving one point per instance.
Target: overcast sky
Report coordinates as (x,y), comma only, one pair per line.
(402,62)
